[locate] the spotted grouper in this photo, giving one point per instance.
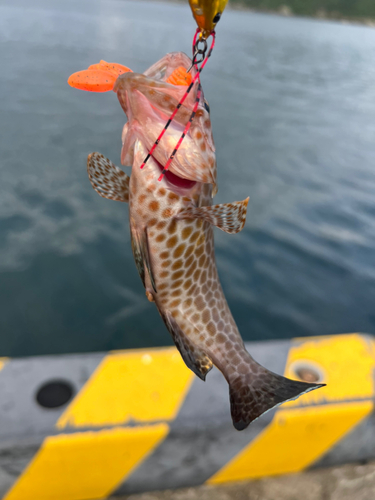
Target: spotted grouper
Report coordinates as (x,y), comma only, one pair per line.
(171,225)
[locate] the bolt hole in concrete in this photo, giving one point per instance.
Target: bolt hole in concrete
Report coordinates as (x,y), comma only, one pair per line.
(54,394)
(308,372)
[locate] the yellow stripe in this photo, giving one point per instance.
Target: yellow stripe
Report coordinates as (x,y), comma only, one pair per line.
(3,361)
(305,429)
(142,386)
(293,441)
(346,362)
(85,464)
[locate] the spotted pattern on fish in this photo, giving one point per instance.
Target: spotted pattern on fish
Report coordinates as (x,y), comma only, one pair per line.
(189,295)
(108,180)
(176,261)
(229,217)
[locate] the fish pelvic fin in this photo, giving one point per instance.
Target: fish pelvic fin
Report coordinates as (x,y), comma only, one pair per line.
(141,254)
(229,217)
(195,359)
(108,180)
(259,391)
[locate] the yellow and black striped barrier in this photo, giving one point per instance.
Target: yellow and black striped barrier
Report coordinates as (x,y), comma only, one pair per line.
(139,420)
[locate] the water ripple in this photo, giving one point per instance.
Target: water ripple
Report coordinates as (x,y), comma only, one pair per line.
(293,110)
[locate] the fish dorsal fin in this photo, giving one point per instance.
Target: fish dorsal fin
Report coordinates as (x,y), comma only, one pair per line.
(141,254)
(229,217)
(195,359)
(108,180)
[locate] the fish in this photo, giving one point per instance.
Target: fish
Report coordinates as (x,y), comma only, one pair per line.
(171,225)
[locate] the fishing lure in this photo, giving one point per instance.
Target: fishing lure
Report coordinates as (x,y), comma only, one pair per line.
(207,13)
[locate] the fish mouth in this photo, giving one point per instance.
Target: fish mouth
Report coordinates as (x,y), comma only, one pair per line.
(173,179)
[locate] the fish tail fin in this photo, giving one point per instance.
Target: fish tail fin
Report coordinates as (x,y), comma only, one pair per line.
(260,390)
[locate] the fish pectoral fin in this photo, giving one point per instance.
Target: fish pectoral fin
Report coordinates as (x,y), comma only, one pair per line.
(141,254)
(108,180)
(195,359)
(229,217)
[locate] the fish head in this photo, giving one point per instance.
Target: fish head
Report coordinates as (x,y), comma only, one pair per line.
(149,99)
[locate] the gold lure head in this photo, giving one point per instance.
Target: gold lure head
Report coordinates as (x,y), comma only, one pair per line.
(207,14)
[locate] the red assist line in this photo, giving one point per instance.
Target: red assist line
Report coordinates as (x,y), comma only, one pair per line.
(199,92)
(186,130)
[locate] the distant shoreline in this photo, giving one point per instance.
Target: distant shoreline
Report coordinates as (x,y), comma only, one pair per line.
(322,15)
(285,11)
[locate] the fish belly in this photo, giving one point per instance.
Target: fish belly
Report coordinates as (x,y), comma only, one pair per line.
(189,290)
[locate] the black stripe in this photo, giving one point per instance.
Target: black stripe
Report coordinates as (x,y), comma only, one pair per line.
(168,123)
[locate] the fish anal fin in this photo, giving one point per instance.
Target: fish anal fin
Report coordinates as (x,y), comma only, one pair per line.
(141,254)
(229,217)
(108,180)
(194,357)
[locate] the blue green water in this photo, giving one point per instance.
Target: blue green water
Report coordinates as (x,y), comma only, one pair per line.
(293,111)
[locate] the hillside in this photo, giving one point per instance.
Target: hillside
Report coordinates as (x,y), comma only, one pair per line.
(349,9)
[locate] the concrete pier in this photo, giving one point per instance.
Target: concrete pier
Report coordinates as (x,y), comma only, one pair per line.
(121,423)
(347,482)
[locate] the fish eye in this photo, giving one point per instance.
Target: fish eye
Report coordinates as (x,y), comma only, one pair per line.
(207,107)
(217,17)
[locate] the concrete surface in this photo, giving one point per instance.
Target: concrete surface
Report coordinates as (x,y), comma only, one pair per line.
(334,427)
(347,482)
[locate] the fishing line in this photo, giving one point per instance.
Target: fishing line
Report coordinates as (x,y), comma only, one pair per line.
(196,52)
